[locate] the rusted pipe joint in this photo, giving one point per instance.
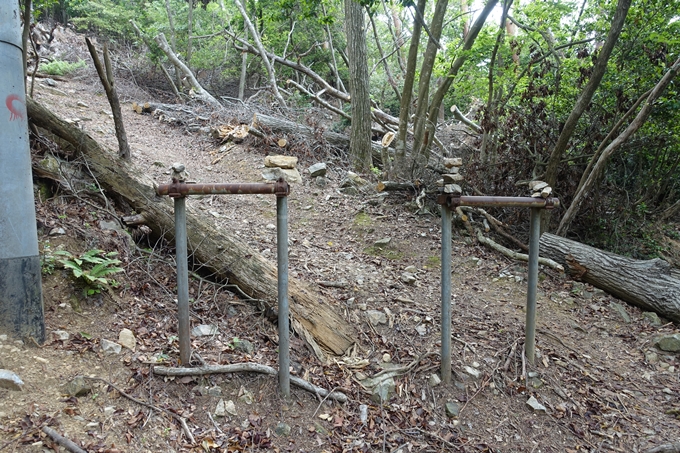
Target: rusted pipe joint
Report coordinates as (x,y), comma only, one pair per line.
(177,189)
(450,200)
(552,203)
(281,188)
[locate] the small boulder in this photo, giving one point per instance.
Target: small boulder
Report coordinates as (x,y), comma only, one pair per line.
(434,380)
(127,339)
(220,409)
(287,162)
(110,347)
(244,346)
(61,335)
(291,176)
(10,380)
(382,243)
(669,343)
(408,278)
(383,391)
(317,170)
(282,429)
(535,405)
(376,317)
(77,387)
(652,318)
(452,409)
(204,330)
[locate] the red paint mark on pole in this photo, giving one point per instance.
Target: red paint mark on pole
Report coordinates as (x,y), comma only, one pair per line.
(14,114)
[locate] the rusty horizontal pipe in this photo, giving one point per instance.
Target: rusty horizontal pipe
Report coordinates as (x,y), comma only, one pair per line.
(488,201)
(182,189)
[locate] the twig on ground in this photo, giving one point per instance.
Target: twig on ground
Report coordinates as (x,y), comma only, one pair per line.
(177,417)
(247,367)
(665,448)
(63,441)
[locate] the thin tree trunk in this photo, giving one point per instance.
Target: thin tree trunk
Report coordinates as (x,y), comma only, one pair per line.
(24,35)
(244,73)
(331,48)
(201,93)
(173,43)
(263,53)
(106,77)
(357,53)
(148,46)
(383,58)
(598,169)
(407,94)
(190,25)
(215,249)
(587,94)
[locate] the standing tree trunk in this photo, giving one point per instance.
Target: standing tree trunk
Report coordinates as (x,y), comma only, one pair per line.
(244,73)
(190,26)
(598,169)
(106,76)
(173,44)
(357,53)
(263,53)
(587,93)
(650,285)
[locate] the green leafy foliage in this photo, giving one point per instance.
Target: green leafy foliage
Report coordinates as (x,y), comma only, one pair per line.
(94,268)
(61,67)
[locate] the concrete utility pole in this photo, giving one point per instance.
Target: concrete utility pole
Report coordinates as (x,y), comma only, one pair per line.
(21,306)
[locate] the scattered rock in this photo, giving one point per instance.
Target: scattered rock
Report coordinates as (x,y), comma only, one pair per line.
(320,181)
(536,383)
(50,82)
(82,104)
(10,380)
(292,176)
(204,330)
(215,391)
(220,409)
(621,310)
(61,335)
(411,269)
(421,329)
(287,162)
(382,243)
(453,188)
(363,413)
(230,408)
(669,343)
(535,405)
(408,278)
(452,162)
(247,397)
(451,178)
(317,170)
(110,347)
(109,411)
(383,391)
(57,232)
(282,429)
(652,317)
(244,346)
(475,373)
(376,317)
(651,357)
(434,380)
(77,387)
(452,409)
(127,339)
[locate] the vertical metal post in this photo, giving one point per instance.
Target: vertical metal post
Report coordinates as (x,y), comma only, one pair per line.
(21,302)
(282,262)
(446,294)
(182,280)
(532,282)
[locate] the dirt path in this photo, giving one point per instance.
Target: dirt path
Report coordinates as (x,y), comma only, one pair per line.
(604,385)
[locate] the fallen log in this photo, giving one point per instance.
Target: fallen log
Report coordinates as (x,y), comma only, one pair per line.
(648,284)
(226,255)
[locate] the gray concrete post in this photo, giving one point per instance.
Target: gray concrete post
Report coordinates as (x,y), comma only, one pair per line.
(21,305)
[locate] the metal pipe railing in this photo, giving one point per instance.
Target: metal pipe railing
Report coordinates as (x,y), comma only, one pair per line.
(452,201)
(179,190)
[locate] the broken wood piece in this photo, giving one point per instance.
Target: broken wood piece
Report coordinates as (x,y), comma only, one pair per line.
(142,108)
(648,284)
(282,142)
(388,186)
(329,284)
(61,440)
(516,255)
(137,219)
(228,132)
(248,367)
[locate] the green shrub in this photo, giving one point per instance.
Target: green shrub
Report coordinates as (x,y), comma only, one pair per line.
(60,67)
(93,268)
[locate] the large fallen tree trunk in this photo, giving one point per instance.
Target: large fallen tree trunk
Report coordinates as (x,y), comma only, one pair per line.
(651,285)
(229,257)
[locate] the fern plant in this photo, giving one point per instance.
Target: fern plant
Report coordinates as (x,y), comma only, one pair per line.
(93,268)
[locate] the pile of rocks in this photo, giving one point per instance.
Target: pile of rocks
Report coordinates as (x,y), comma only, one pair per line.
(281,167)
(450,180)
(540,189)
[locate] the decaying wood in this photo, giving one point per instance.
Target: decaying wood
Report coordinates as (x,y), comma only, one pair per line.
(142,108)
(457,114)
(516,255)
(106,76)
(226,255)
(228,132)
(248,367)
(390,186)
(649,284)
(61,440)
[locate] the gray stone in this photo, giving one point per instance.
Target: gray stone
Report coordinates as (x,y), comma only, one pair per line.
(535,405)
(669,343)
(421,329)
(284,162)
(408,278)
(244,346)
(230,408)
(434,380)
(320,181)
(215,391)
(453,188)
(50,82)
(537,186)
(621,310)
(61,335)
(247,397)
(383,391)
(204,330)
(220,409)
(10,380)
(82,104)
(450,162)
(411,269)
(350,190)
(382,243)
(317,170)
(282,429)
(77,387)
(109,411)
(452,409)
(651,357)
(110,347)
(291,176)
(536,382)
(127,339)
(57,232)
(451,179)
(652,317)
(475,373)
(376,317)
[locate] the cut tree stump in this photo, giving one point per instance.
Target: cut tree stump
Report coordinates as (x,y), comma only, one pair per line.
(226,255)
(649,284)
